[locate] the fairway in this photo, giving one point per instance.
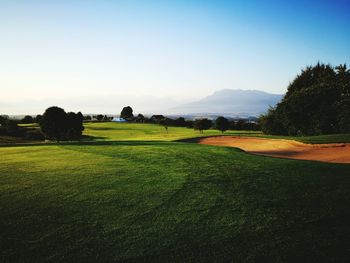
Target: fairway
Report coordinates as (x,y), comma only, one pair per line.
(150,132)
(144,198)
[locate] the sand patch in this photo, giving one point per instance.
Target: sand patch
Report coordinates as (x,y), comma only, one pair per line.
(333,152)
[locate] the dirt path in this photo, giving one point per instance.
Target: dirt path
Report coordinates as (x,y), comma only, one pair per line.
(333,153)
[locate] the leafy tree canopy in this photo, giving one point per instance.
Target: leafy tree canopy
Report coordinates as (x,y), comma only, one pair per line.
(222,124)
(57,125)
(127,113)
(202,124)
(317,102)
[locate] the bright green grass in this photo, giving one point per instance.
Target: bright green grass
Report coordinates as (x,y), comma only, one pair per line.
(149,132)
(111,131)
(102,131)
(169,202)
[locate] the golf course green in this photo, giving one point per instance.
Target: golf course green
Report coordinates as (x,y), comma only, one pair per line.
(131,193)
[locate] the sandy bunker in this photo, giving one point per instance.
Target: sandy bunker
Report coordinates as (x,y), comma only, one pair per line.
(334,152)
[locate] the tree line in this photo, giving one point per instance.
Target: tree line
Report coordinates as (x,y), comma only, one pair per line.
(317,102)
(221,123)
(57,125)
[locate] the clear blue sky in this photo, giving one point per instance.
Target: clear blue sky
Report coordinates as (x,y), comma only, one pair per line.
(173,49)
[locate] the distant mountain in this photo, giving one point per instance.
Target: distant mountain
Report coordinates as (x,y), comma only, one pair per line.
(232,102)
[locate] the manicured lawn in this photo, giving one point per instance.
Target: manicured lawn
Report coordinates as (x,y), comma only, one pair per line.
(112,131)
(144,201)
(150,132)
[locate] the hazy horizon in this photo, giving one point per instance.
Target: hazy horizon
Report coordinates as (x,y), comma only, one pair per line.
(112,104)
(87,55)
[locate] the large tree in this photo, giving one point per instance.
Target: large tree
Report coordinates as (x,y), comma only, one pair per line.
(202,124)
(317,102)
(222,124)
(74,126)
(54,124)
(27,119)
(127,113)
(57,125)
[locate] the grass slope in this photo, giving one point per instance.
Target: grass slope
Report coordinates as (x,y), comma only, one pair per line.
(137,201)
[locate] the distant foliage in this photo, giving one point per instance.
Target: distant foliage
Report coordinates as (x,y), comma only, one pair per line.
(140,118)
(27,119)
(57,125)
(38,118)
(9,127)
(317,102)
(156,119)
(99,117)
(202,124)
(244,125)
(3,119)
(222,124)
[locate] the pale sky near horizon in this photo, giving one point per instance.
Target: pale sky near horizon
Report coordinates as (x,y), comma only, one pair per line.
(60,51)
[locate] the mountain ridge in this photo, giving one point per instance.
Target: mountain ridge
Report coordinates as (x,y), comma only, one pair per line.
(231,101)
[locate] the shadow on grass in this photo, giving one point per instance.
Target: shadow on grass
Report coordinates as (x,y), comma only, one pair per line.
(92,138)
(92,143)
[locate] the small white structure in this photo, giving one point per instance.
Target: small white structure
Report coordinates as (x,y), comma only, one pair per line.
(118,119)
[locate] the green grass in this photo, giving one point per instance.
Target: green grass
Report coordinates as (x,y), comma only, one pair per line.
(111,131)
(143,200)
(151,132)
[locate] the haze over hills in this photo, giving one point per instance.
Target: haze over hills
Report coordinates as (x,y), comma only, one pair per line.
(227,102)
(231,101)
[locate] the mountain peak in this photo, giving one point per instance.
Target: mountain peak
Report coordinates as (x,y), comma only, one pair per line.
(232,101)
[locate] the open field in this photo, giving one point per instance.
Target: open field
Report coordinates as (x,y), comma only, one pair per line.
(112,131)
(150,132)
(133,131)
(145,198)
(331,152)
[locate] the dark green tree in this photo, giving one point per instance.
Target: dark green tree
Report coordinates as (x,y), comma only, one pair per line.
(140,118)
(222,124)
(12,129)
(54,124)
(3,119)
(181,122)
(99,117)
(38,118)
(202,124)
(343,76)
(57,125)
(27,119)
(127,113)
(74,126)
(317,102)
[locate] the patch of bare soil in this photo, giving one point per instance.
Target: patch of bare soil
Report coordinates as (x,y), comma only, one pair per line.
(332,153)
